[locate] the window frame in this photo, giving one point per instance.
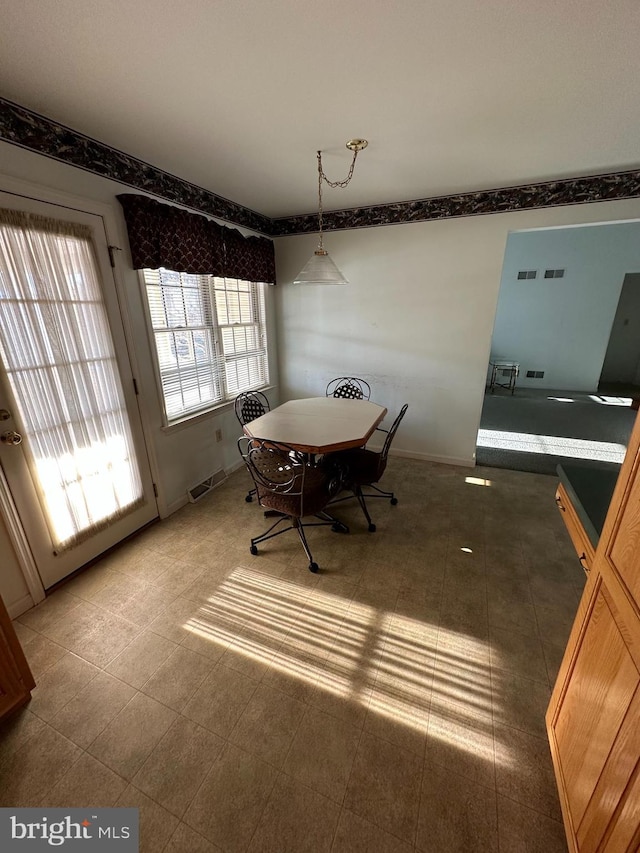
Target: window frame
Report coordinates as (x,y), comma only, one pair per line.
(208,285)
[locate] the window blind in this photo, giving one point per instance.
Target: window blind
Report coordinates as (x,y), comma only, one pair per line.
(210,338)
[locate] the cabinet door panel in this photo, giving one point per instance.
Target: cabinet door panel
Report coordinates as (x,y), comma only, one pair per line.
(603,683)
(624,553)
(612,784)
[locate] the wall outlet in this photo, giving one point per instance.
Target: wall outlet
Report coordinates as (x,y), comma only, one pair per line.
(218,435)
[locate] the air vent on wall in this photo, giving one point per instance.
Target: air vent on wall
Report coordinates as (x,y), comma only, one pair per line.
(535,374)
(526,274)
(554,273)
(194,493)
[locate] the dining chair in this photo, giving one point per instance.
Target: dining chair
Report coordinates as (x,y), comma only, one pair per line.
(364,468)
(348,388)
(248,406)
(288,485)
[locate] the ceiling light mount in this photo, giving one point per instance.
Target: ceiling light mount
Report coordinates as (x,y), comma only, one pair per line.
(320,269)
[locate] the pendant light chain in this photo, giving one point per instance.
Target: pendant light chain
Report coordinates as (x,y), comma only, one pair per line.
(322,177)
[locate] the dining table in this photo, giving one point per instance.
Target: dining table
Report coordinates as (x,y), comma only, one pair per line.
(318,425)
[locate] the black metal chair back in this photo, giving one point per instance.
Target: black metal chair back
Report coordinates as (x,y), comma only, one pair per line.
(391,434)
(349,388)
(291,488)
(250,405)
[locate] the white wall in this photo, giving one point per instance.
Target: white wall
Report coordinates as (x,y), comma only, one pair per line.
(415,321)
(13,588)
(562,326)
(180,455)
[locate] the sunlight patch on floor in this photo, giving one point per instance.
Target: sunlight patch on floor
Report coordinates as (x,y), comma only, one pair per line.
(576,448)
(407,670)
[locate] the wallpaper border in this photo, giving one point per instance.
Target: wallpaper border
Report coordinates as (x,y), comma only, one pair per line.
(27,129)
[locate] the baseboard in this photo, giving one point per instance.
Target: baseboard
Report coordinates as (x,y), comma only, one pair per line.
(460,461)
(19,607)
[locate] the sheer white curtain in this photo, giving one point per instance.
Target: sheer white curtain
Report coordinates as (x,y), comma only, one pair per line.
(59,359)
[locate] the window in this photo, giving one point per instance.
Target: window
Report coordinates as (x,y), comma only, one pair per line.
(210,338)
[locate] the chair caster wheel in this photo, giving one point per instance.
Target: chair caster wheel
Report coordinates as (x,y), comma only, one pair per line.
(372,528)
(249,498)
(313,567)
(394,501)
(253,550)
(339,527)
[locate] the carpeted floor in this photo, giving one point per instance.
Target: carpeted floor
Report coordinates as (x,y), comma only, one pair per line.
(535,430)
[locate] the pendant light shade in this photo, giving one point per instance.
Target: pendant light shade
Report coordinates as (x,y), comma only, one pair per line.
(320,269)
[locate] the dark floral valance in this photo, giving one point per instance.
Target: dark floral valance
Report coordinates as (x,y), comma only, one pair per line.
(164,236)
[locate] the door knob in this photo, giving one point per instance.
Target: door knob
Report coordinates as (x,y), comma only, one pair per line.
(11,437)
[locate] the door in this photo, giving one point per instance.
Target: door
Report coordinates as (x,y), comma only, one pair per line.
(71,441)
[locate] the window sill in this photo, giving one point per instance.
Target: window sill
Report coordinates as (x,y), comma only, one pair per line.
(206,414)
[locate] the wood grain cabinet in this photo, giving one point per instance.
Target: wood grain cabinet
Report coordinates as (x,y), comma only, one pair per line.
(16,680)
(593,720)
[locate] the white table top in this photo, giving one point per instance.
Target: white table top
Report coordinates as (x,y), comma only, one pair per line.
(319,424)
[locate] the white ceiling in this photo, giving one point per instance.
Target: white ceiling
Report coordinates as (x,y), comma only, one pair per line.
(237,95)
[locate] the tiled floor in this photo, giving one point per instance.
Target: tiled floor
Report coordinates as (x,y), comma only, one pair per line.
(392,703)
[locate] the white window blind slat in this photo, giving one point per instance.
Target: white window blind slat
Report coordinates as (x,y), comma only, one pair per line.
(210,338)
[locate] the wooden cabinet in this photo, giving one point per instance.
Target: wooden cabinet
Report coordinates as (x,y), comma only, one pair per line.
(581,543)
(593,720)
(16,680)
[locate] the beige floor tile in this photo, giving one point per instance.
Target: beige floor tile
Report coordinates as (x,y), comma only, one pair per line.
(41,654)
(59,684)
(157,825)
(24,634)
(111,635)
(322,753)
(141,658)
(520,703)
(187,840)
(295,677)
(131,736)
(52,609)
(178,620)
(394,608)
(384,786)
(147,566)
(522,830)
(30,772)
(525,773)
(250,653)
(455,814)
(220,700)
(354,834)
(173,772)
(76,626)
(176,680)
(460,739)
(16,730)
(86,783)
(113,595)
(295,820)
(268,724)
(145,605)
(343,690)
(239,783)
(179,576)
(92,579)
(92,709)
(519,654)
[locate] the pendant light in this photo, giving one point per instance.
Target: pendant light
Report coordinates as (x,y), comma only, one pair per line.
(320,269)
